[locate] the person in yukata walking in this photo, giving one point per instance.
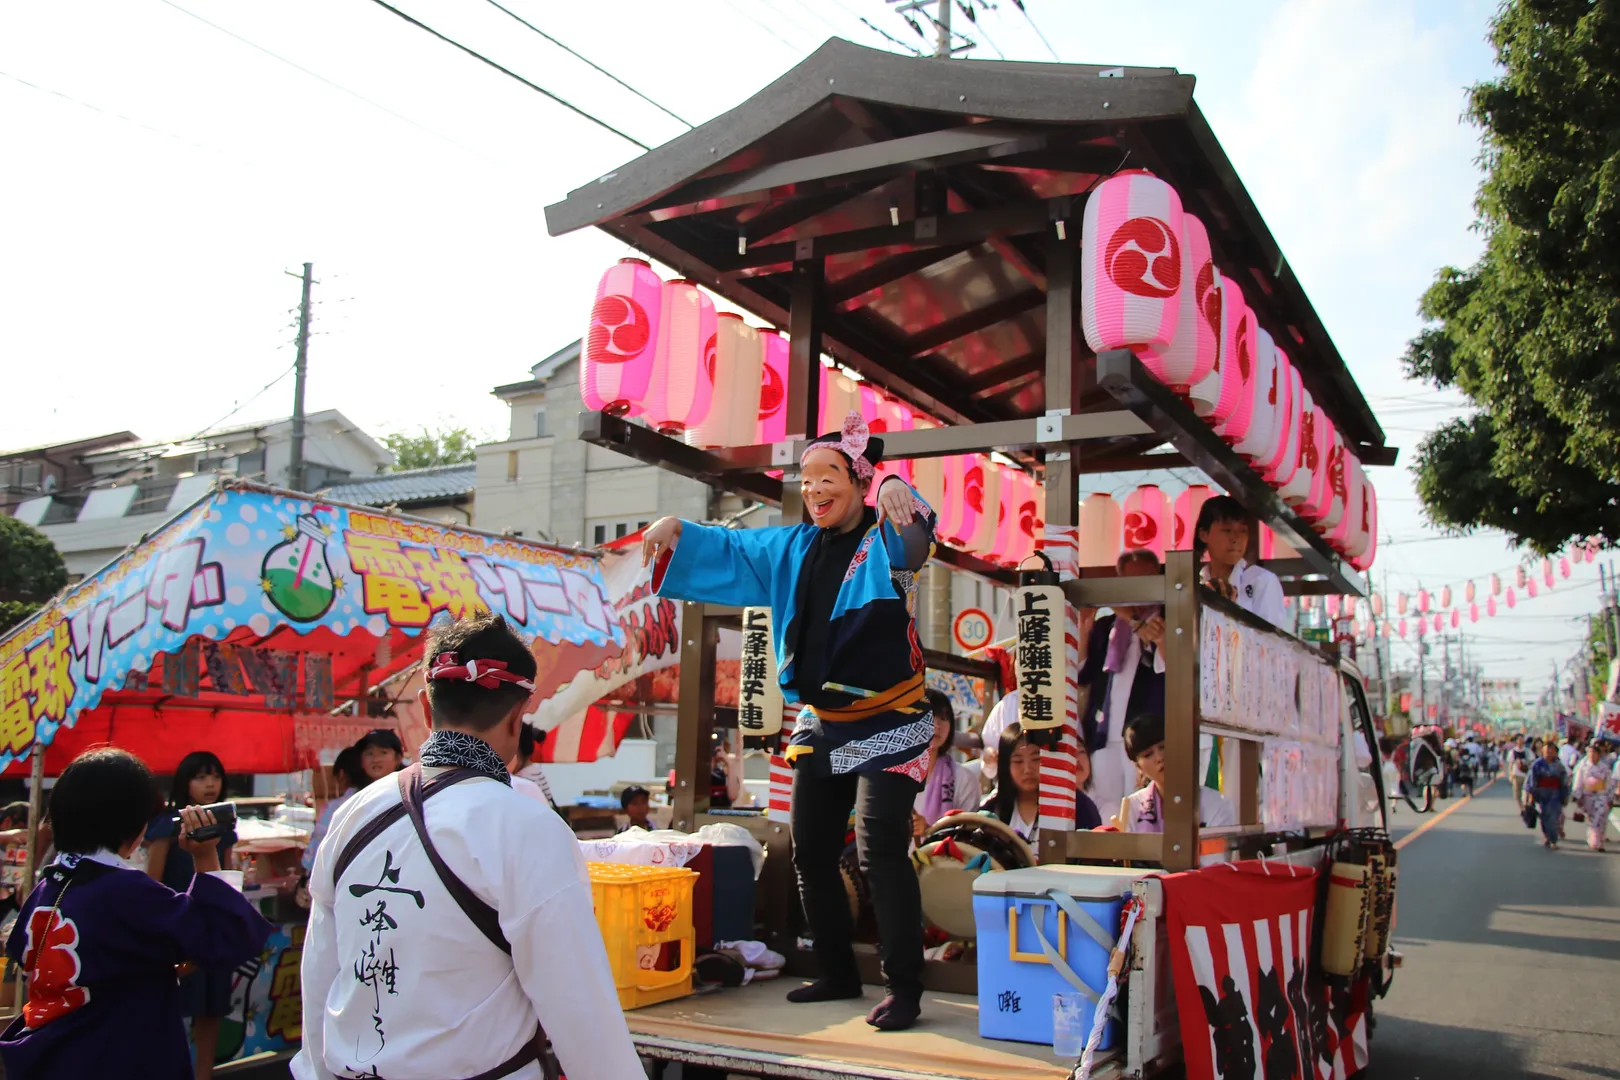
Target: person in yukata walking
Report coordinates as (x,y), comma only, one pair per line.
(1594,792)
(843,595)
(1548,787)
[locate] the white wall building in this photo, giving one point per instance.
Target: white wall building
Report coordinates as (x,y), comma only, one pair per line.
(136,487)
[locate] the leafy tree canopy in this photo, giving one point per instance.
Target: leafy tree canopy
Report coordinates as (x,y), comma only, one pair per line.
(447,446)
(31,571)
(1531,332)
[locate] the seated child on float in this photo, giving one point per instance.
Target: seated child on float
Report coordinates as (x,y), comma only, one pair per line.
(1016,800)
(1143,810)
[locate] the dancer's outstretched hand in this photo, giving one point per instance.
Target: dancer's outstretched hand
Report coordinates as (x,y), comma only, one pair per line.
(894,504)
(663,536)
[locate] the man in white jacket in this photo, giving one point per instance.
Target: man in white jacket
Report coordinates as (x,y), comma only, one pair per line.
(451,929)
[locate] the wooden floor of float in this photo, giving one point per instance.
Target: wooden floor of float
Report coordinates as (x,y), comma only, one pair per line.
(756,1030)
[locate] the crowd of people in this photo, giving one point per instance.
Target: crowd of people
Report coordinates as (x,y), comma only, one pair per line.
(1548,774)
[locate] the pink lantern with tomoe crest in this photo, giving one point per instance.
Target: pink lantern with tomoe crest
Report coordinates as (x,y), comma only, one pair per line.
(963,495)
(1146,523)
(773,374)
(1131,263)
(733,371)
(1220,395)
(680,392)
(1191,354)
(616,358)
(1259,442)
(991,510)
(1185,515)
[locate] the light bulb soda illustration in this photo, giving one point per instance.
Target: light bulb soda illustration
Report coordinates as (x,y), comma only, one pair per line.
(296,575)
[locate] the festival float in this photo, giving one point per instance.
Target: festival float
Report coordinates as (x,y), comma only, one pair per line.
(1029,278)
(275,629)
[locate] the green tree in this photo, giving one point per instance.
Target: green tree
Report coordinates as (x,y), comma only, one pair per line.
(31,571)
(1531,332)
(446,446)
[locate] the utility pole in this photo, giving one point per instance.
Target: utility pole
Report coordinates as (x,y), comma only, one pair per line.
(295,468)
(943,48)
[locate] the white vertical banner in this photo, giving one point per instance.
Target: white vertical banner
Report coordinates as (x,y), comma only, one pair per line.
(1041,656)
(759,695)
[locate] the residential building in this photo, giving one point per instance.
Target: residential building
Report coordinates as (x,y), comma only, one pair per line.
(128,490)
(441,493)
(40,470)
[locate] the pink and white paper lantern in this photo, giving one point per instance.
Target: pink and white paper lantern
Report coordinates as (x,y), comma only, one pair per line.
(1496,585)
(1021,525)
(1220,395)
(958,513)
(1185,515)
(733,371)
(1131,263)
(991,510)
(1147,521)
(1190,356)
(1278,469)
(1259,442)
(680,392)
(773,372)
(1100,526)
(840,396)
(616,359)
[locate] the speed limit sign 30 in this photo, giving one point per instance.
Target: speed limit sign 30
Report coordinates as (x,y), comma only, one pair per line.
(972,629)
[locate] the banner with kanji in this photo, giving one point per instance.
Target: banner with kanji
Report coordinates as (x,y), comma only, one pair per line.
(255,602)
(1249,991)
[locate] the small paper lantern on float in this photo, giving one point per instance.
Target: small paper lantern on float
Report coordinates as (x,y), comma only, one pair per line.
(1274,547)
(1361,535)
(1022,497)
(1279,469)
(928,474)
(959,504)
(1146,524)
(1191,354)
(991,510)
(680,392)
(616,360)
(883,414)
(1348,536)
(1219,397)
(1299,486)
(733,371)
(1185,515)
(1100,526)
(1131,263)
(1335,492)
(840,396)
(773,372)
(1259,442)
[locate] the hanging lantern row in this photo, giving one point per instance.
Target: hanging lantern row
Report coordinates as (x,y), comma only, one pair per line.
(1149,284)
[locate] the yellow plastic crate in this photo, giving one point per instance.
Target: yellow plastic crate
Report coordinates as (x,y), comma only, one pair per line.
(645,915)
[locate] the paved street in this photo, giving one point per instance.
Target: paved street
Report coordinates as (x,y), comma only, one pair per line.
(1512,951)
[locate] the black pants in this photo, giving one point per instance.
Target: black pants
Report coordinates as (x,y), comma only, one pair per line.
(883,806)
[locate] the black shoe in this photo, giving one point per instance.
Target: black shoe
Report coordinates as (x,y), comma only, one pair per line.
(895,1013)
(825,990)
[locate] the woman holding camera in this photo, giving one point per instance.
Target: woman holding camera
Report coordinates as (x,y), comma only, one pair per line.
(205,993)
(99,941)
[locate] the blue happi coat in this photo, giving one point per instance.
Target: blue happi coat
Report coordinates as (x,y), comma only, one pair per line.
(870,715)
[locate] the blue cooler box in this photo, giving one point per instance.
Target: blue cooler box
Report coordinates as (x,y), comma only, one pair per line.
(1014,910)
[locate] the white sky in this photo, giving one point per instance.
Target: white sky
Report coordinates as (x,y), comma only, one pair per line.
(162,176)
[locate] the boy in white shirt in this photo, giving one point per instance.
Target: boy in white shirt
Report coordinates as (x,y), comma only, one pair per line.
(1143,809)
(451,927)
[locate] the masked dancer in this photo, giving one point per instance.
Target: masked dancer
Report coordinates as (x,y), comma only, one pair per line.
(843,593)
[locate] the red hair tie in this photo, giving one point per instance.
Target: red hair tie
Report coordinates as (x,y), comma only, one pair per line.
(486,673)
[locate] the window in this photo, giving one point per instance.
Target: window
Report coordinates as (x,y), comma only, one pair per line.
(605,530)
(250,464)
(599,535)
(511,465)
(29,474)
(540,431)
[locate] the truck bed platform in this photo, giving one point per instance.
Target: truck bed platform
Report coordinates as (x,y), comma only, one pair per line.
(755,1031)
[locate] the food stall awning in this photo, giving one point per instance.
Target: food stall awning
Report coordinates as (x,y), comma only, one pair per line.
(928,187)
(243,622)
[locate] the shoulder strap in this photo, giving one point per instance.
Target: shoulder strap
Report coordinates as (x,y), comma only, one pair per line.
(482,915)
(379,824)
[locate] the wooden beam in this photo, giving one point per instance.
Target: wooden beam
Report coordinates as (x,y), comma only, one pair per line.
(1062,392)
(849,293)
(992,379)
(767,223)
(804,368)
(971,322)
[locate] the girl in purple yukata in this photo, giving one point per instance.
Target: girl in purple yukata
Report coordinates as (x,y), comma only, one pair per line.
(99,940)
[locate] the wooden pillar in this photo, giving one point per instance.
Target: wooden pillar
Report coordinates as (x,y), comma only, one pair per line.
(804,370)
(36,805)
(695,719)
(1182,782)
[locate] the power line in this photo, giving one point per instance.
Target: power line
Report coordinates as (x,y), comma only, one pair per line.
(537,88)
(912,49)
(1019,4)
(336,86)
(589,63)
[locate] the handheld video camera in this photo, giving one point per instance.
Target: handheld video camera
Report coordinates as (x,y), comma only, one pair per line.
(224,821)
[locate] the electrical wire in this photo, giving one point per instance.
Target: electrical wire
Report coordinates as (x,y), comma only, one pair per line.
(1019,4)
(536,87)
(593,65)
(912,49)
(336,86)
